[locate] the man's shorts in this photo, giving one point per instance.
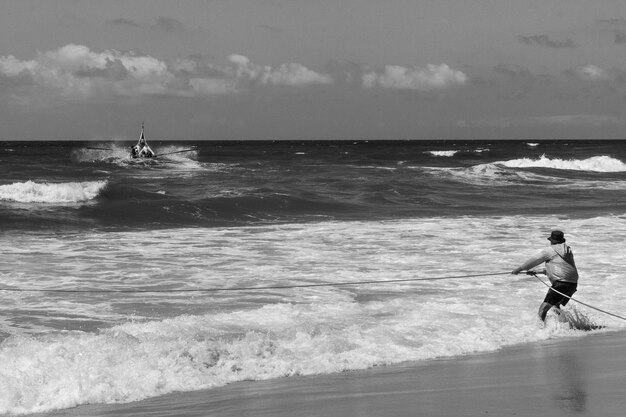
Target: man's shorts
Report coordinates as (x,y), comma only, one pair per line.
(554,298)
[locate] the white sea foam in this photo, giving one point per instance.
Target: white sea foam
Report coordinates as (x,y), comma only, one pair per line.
(597,164)
(184,342)
(106,152)
(134,361)
(486,174)
(67,192)
(454,152)
(505,173)
(442,153)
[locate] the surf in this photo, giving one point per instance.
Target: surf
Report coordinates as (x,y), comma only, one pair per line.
(602,163)
(151,344)
(52,193)
(442,153)
(574,318)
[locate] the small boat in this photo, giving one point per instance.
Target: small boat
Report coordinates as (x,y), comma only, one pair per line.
(141,149)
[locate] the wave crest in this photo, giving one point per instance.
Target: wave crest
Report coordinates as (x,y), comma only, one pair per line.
(601,163)
(68,192)
(442,153)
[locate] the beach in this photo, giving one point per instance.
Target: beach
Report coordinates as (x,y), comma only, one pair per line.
(582,376)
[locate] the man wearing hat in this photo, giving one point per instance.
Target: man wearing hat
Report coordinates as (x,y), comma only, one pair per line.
(560,269)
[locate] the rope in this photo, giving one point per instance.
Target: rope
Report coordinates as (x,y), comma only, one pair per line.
(534,274)
(270,287)
(172,153)
(282,287)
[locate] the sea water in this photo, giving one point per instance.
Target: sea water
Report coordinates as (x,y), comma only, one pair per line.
(119,278)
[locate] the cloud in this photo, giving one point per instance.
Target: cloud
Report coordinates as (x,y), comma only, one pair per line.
(595,73)
(419,79)
(545,41)
(77,69)
(75,72)
(291,74)
(294,74)
(212,86)
(590,73)
(346,72)
(11,66)
(168,24)
(114,69)
(162,23)
(122,22)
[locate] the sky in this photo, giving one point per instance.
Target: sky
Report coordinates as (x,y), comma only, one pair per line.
(312,69)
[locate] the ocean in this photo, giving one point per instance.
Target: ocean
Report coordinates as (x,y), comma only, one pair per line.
(122,280)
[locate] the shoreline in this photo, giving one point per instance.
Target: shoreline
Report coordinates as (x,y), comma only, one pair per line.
(561,377)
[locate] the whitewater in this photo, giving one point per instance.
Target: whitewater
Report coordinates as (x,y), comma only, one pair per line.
(31,192)
(252,215)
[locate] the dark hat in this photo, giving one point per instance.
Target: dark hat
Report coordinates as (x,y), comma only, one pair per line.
(557,237)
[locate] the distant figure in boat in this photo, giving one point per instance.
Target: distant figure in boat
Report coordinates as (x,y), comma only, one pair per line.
(141,149)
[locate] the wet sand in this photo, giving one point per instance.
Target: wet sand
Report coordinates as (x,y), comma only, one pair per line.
(567,377)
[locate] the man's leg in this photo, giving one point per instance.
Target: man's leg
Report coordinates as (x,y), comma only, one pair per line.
(543,310)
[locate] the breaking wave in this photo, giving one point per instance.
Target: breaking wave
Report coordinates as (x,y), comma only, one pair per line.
(442,153)
(68,192)
(596,164)
(134,361)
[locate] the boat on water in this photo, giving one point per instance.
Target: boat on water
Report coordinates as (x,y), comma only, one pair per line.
(141,149)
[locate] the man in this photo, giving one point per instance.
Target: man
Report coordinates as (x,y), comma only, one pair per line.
(560,269)
(145,151)
(141,149)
